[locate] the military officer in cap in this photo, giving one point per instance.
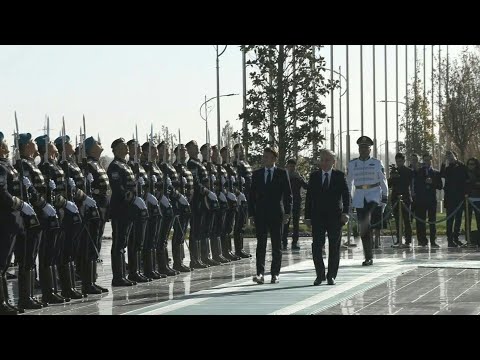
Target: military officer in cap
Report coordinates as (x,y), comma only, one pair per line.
(183,212)
(137,235)
(201,195)
(244,172)
(368,186)
(98,187)
(123,206)
(12,207)
(27,244)
(211,209)
(155,188)
(232,193)
(170,196)
(69,219)
(80,251)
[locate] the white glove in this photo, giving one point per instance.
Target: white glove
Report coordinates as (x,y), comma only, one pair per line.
(26,182)
(164,201)
(231,196)
(140,203)
(140,181)
(223,180)
(222,197)
(154,179)
(212,196)
(169,182)
(182,200)
(52,185)
(71,207)
(89,202)
(241,198)
(152,199)
(243,180)
(27,209)
(213,178)
(232,179)
(72,183)
(90,177)
(49,210)
(184,180)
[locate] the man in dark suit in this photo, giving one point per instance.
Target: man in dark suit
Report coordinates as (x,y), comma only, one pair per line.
(326,209)
(270,203)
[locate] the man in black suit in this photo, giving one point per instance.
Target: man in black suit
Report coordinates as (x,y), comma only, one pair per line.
(326,209)
(270,203)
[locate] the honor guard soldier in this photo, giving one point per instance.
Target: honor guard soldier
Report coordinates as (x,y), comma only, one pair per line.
(202,196)
(211,209)
(81,194)
(244,173)
(183,212)
(368,186)
(27,244)
(232,193)
(170,196)
(123,207)
(137,235)
(155,188)
(14,212)
(68,216)
(220,215)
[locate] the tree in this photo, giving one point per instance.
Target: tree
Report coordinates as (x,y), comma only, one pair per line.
(416,121)
(461,111)
(283,107)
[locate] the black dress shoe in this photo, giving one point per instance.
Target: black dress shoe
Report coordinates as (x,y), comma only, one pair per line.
(259,279)
(122,282)
(367,262)
(102,289)
(318,281)
(274,279)
(331,281)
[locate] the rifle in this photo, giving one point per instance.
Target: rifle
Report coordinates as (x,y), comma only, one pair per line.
(66,167)
(151,188)
(46,166)
(87,185)
(31,221)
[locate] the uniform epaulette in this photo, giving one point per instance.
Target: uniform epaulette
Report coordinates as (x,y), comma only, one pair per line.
(353,159)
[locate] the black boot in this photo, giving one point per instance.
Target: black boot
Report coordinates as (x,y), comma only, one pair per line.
(93,265)
(46,282)
(162,262)
(25,300)
(133,272)
(72,267)
(178,260)
(168,263)
(118,270)
(3,281)
(56,277)
(4,308)
(67,283)
(139,264)
(87,279)
(148,265)
(153,255)
(238,239)
(33,281)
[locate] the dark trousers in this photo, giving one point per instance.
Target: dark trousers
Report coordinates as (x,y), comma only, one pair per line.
(263,226)
(103,212)
(90,239)
(7,243)
(326,224)
(406,222)
(195,236)
(69,237)
(421,211)
(477,215)
(364,217)
(239,229)
(456,221)
(295,219)
(121,228)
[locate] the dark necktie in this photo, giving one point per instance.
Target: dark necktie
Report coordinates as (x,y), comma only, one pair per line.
(325,182)
(269,177)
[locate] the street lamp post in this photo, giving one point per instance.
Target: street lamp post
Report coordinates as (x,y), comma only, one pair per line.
(339,148)
(397,102)
(206,113)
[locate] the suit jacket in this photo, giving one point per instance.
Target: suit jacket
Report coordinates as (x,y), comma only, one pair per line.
(426,194)
(273,200)
(334,200)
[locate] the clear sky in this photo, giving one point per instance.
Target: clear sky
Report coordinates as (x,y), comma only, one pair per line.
(119,86)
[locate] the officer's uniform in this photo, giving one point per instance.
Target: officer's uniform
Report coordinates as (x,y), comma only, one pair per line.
(137,235)
(27,244)
(11,223)
(99,189)
(122,182)
(70,227)
(232,188)
(154,217)
(368,186)
(183,212)
(200,181)
(244,181)
(170,196)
